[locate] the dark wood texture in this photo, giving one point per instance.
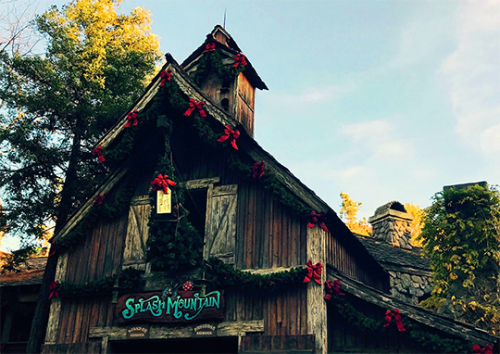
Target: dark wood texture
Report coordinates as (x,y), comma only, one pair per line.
(91,347)
(257,343)
(350,263)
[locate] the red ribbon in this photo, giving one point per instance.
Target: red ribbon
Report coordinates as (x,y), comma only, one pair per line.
(162,183)
(165,76)
(332,288)
(132,119)
(53,289)
(258,170)
(209,47)
(313,272)
(318,219)
(230,135)
(240,59)
(99,199)
(488,349)
(193,105)
(97,152)
(389,315)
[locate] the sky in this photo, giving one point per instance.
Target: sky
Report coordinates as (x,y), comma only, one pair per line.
(382,100)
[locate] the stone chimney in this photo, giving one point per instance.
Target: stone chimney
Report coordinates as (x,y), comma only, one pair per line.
(391,224)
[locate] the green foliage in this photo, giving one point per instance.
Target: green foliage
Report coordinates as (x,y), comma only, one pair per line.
(461,234)
(173,243)
(57,105)
(227,276)
(128,280)
(211,62)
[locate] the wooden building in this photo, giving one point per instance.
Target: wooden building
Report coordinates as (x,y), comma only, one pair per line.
(232,258)
(18,294)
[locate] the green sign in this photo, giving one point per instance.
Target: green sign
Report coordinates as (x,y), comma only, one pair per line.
(183,306)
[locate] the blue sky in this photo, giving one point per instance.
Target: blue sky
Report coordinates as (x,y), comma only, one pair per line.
(383,100)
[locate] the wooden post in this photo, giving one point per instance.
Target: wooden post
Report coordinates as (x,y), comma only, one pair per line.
(316,306)
(55,305)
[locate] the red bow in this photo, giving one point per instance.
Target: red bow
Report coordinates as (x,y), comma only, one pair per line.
(488,349)
(162,183)
(165,76)
(99,199)
(389,315)
(239,59)
(313,272)
(192,105)
(97,152)
(318,219)
(209,47)
(333,289)
(132,119)
(258,170)
(230,134)
(53,289)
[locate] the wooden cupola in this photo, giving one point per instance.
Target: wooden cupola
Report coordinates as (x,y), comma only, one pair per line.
(235,94)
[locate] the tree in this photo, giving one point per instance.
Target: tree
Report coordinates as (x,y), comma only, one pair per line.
(57,106)
(461,234)
(349,212)
(416,224)
(16,28)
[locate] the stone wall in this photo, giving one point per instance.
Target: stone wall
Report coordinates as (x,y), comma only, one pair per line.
(408,285)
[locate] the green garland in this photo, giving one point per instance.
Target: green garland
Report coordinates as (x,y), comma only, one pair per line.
(128,280)
(228,276)
(173,244)
(428,340)
(211,62)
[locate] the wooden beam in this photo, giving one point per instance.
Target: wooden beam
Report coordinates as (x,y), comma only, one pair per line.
(55,305)
(200,183)
(316,305)
(223,329)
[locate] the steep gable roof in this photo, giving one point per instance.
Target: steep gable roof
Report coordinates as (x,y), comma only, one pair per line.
(230,48)
(246,144)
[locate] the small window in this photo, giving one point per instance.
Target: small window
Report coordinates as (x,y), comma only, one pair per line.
(225,104)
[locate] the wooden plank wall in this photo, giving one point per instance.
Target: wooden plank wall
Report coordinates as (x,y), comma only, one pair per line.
(100,255)
(268,236)
(351,264)
(245,99)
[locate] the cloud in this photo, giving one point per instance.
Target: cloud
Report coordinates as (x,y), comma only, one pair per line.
(379,138)
(472,72)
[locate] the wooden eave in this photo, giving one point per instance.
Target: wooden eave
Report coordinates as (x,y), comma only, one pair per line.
(245,142)
(416,313)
